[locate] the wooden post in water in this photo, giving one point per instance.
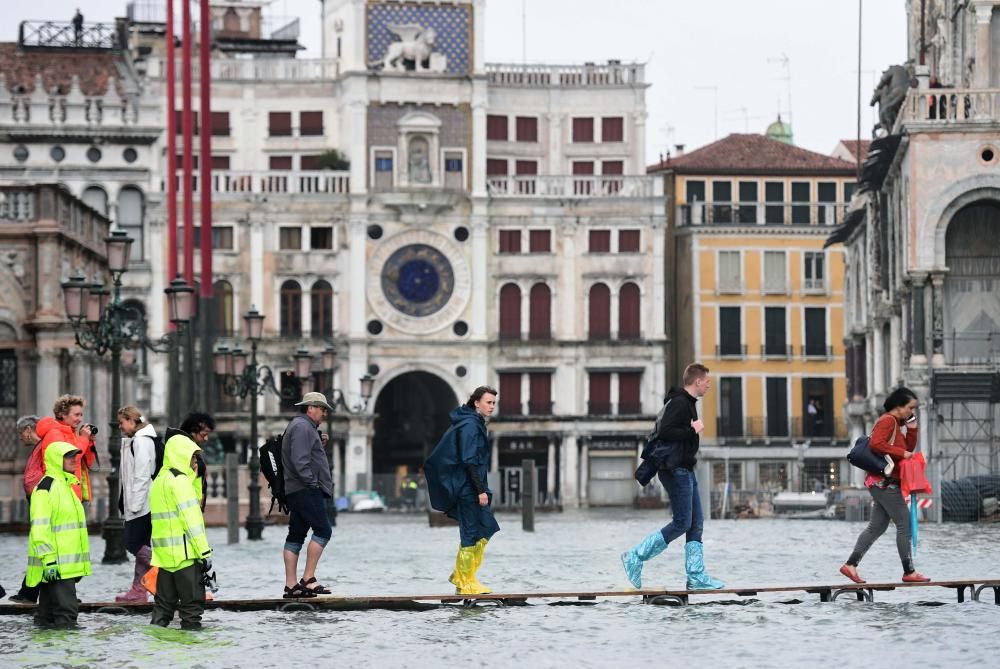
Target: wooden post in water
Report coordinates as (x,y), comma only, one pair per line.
(528,495)
(233,497)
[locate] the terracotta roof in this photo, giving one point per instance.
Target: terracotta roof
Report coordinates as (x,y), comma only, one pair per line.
(57,68)
(852,146)
(753,154)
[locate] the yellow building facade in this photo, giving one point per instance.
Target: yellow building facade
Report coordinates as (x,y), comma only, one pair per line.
(753,295)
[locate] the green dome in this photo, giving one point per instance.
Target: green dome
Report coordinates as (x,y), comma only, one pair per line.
(780,131)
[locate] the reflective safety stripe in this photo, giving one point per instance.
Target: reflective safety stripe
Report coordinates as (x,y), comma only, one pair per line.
(196,531)
(165,515)
(69,526)
(34,561)
(40,521)
(45,549)
(74,557)
(167,541)
(187,504)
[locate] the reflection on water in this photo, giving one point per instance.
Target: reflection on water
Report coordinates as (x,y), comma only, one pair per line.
(395,554)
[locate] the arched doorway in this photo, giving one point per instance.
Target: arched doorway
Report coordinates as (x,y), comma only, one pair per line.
(411,415)
(972,286)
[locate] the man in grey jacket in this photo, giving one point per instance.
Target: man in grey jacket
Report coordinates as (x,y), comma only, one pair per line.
(307,486)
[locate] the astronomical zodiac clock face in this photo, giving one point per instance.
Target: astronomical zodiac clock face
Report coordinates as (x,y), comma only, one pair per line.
(418,282)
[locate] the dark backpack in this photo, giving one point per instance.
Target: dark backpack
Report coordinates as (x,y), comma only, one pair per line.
(274,472)
(158,446)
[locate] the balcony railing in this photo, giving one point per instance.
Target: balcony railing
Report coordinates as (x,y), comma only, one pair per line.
(610,74)
(258,69)
(807,351)
(948,106)
(779,428)
(305,182)
(730,351)
(776,352)
(64,35)
(761,213)
(30,204)
(539,408)
(606,186)
(813,285)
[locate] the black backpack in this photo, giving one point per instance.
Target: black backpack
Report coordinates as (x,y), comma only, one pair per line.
(274,471)
(158,446)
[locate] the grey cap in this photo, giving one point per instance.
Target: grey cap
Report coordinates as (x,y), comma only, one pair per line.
(314,400)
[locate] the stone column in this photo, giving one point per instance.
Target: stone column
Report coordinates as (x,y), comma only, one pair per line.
(569,328)
(480,277)
(356,327)
(46,380)
(655,325)
(937,319)
(550,469)
(79,373)
(878,358)
(584,471)
(918,323)
(984,14)
(356,474)
(494,454)
(256,270)
(478,157)
(569,472)
(895,352)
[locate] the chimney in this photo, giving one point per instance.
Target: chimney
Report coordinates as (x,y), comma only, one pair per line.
(678,150)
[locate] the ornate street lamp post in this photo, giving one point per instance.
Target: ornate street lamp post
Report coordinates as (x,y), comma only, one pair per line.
(335,396)
(101,323)
(243,380)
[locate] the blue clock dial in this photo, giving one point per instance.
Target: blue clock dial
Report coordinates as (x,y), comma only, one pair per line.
(417,280)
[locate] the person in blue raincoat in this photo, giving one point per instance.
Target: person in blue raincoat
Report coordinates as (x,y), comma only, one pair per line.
(456,484)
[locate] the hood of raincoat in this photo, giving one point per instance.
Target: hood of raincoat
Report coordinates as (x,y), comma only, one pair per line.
(54,455)
(463,415)
(49,424)
(177,454)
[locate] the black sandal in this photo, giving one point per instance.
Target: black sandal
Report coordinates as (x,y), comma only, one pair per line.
(318,590)
(298,591)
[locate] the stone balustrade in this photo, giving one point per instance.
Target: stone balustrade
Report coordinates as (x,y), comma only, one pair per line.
(72,108)
(240,182)
(257,69)
(587,75)
(761,213)
(580,186)
(947,106)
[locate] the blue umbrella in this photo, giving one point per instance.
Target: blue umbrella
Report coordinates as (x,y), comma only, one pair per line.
(913,521)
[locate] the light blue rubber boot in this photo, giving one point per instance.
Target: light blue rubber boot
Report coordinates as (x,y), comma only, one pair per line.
(646,549)
(694,563)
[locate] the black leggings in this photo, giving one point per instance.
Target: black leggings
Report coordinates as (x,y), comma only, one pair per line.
(887,504)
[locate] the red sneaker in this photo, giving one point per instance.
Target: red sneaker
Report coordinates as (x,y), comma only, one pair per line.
(915,577)
(851,573)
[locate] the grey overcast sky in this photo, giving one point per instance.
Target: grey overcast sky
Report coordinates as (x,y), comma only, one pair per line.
(714,67)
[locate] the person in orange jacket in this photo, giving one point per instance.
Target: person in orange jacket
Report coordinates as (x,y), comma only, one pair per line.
(64,426)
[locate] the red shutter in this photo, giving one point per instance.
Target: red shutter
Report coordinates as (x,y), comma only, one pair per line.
(599,241)
(310,123)
(279,124)
(510,312)
(583,167)
(629,402)
(628,241)
(540,393)
(179,121)
(510,241)
(280,162)
(220,162)
(526,167)
(510,393)
(599,326)
(496,167)
(309,162)
(539,241)
(496,128)
(628,311)
(600,394)
(526,128)
(583,130)
(540,316)
(220,124)
(612,129)
(613,167)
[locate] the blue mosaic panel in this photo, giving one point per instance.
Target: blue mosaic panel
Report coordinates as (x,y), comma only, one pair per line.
(453,24)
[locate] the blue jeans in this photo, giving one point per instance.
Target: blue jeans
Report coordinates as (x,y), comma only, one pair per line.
(685,503)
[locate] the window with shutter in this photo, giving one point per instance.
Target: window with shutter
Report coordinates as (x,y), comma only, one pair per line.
(309,162)
(730,277)
(540,241)
(599,241)
(280,162)
(813,271)
(496,128)
(220,162)
(510,311)
(730,337)
(612,129)
(599,400)
(599,302)
(775,341)
(722,196)
(628,241)
(510,393)
(540,393)
(800,202)
(774,195)
(748,202)
(291,309)
(583,130)
(775,280)
(539,310)
(179,122)
(321,307)
(289,238)
(510,241)
(629,400)
(220,124)
(731,407)
(526,128)
(279,124)
(816,331)
(310,123)
(628,311)
(776,391)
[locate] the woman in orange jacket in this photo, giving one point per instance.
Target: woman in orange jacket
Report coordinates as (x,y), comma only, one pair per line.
(895,435)
(68,412)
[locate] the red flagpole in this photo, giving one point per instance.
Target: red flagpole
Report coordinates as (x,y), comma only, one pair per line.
(171,176)
(188,123)
(205,96)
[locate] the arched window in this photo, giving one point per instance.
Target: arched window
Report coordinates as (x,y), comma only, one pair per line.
(223,295)
(135,313)
(322,309)
(510,311)
(628,311)
(131,216)
(539,312)
(231,22)
(291,309)
(599,326)
(96,198)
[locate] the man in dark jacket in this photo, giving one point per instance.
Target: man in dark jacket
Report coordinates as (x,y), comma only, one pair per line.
(679,427)
(308,485)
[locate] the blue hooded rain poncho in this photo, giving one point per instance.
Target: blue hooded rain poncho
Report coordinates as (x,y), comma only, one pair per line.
(448,484)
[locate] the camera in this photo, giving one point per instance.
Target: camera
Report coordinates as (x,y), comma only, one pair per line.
(93,429)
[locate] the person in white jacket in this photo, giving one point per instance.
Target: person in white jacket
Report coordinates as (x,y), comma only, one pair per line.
(138,465)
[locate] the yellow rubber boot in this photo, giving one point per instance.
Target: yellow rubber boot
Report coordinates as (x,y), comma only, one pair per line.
(480,551)
(465,573)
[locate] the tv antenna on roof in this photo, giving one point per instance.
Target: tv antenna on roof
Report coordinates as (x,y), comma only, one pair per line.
(786,63)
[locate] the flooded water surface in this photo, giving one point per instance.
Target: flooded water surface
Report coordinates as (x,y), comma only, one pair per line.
(400,554)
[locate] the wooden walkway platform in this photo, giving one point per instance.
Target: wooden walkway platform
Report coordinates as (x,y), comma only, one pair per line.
(973,589)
